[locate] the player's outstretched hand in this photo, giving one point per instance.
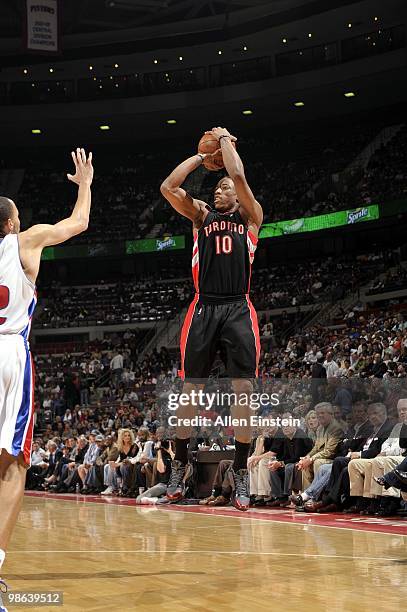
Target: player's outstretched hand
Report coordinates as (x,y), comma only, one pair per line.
(83,167)
(218,132)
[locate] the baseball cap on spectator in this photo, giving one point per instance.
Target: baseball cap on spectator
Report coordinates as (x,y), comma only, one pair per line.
(99,438)
(95,432)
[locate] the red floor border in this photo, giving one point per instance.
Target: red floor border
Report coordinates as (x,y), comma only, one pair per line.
(396,526)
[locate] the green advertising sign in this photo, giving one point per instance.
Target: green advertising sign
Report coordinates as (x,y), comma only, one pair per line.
(320,222)
(155,245)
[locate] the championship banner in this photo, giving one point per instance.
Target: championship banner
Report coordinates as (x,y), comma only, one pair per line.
(42,26)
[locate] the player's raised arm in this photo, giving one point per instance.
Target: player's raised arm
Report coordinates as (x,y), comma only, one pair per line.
(235,169)
(179,199)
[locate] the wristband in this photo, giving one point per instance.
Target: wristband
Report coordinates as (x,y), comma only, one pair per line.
(223,136)
(201,156)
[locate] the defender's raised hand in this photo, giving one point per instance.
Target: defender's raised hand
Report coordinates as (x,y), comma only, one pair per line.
(83,167)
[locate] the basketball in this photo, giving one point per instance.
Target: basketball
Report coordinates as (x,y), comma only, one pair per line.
(210,144)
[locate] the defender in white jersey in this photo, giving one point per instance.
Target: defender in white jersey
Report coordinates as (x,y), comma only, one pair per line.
(20,256)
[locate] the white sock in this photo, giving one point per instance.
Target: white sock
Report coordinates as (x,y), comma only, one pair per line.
(2,557)
(305,496)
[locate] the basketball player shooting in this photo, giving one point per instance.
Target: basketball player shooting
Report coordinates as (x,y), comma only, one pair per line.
(20,256)
(221,314)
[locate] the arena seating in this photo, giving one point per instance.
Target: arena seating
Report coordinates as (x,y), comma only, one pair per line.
(284,171)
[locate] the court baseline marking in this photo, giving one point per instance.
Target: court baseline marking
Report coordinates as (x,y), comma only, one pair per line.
(361,527)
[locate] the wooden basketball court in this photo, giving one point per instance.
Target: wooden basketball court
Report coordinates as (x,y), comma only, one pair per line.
(113,555)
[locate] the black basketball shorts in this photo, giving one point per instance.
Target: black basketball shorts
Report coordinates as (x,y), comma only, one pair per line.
(231,326)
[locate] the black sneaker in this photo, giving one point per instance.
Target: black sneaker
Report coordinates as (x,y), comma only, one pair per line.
(177,485)
(240,494)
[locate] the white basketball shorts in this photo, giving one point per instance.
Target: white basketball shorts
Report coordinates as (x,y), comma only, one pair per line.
(16,396)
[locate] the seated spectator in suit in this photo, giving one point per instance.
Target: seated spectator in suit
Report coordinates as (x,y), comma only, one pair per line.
(329,436)
(94,479)
(54,454)
(90,456)
(86,472)
(397,478)
(331,474)
(294,445)
(72,477)
(386,501)
(56,483)
(221,486)
(360,466)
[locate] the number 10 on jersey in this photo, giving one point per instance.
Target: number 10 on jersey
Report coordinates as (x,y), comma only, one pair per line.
(223,245)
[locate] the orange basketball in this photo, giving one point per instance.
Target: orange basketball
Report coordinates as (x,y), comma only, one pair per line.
(210,144)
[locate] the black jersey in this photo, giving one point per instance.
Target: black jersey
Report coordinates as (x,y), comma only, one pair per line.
(222,256)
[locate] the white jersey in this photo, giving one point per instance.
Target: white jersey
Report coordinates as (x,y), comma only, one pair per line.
(17,293)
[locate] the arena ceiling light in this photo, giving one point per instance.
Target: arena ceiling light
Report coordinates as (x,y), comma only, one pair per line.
(36,131)
(104,128)
(25,71)
(171,121)
(248,111)
(349,94)
(299,103)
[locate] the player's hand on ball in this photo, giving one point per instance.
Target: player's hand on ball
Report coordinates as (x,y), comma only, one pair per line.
(213,161)
(83,167)
(218,132)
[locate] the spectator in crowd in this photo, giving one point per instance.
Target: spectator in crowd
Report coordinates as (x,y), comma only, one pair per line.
(265,449)
(360,465)
(373,498)
(331,366)
(222,486)
(165,456)
(311,424)
(328,437)
(96,443)
(116,368)
(295,445)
